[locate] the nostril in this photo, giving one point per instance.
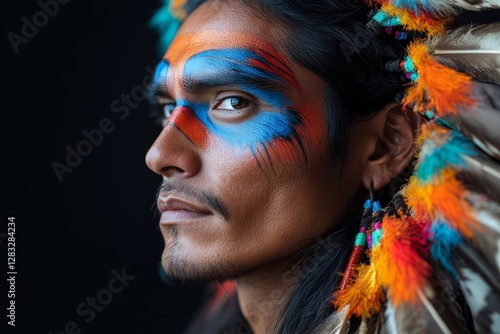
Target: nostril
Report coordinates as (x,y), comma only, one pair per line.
(171,171)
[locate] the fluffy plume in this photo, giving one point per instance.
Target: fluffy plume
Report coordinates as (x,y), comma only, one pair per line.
(434,192)
(442,148)
(166,23)
(364,296)
(401,268)
(410,21)
(437,87)
(445,199)
(444,240)
(472,49)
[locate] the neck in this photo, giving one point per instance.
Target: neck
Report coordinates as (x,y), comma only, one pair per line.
(263,294)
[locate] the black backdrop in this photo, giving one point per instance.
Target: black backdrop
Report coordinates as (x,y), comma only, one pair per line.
(77,233)
(71,235)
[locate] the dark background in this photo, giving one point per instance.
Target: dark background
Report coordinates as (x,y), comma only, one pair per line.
(70,235)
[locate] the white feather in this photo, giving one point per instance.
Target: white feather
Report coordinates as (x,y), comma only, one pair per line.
(447,7)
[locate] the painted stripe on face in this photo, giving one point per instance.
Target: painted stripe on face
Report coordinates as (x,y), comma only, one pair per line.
(160,76)
(186,121)
(255,75)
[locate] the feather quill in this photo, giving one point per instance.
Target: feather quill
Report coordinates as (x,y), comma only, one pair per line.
(478,263)
(446,7)
(482,124)
(481,174)
(429,315)
(472,49)
(484,303)
(487,240)
(434,83)
(337,323)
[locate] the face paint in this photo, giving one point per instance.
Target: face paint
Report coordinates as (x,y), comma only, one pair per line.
(160,77)
(261,73)
(218,68)
(274,211)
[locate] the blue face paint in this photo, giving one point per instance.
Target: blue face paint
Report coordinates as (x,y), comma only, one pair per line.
(160,77)
(241,68)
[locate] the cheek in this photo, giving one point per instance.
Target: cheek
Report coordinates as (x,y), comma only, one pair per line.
(315,129)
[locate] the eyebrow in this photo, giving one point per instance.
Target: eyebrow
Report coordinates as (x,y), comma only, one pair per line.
(158,87)
(256,71)
(199,83)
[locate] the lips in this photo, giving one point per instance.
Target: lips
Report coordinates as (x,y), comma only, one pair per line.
(175,210)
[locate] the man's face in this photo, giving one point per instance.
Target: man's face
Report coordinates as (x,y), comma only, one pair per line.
(247,174)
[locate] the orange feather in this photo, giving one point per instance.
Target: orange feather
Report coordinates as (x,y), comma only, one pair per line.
(437,87)
(365,295)
(414,22)
(443,198)
(401,268)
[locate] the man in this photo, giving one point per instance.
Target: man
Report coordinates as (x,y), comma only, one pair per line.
(270,146)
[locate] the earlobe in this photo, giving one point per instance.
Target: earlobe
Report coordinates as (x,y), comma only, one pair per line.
(394,146)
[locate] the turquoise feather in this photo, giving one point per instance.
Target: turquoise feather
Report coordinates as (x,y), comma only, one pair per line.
(166,24)
(445,240)
(434,158)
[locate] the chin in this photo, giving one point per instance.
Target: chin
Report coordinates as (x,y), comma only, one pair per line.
(180,267)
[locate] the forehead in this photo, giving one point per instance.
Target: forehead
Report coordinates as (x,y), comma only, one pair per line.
(224,24)
(186,45)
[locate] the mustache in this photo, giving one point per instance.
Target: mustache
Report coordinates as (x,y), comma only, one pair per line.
(204,197)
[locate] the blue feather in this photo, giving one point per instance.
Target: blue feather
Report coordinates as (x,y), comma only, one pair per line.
(434,158)
(444,240)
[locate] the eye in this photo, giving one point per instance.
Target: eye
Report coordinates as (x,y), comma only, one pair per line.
(161,111)
(233,103)
(234,108)
(167,110)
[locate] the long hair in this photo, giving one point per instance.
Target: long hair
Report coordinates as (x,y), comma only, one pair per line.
(330,38)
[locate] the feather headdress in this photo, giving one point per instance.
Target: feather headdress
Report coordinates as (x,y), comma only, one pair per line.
(443,227)
(448,214)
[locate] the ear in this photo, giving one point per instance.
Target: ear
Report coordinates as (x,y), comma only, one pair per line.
(395,134)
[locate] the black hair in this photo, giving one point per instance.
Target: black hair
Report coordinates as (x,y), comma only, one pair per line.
(330,38)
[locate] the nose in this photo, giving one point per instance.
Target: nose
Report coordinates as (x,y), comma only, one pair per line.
(173,155)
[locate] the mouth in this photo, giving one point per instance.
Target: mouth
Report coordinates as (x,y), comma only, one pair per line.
(176,211)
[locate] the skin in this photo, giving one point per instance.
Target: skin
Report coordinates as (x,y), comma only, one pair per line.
(248,182)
